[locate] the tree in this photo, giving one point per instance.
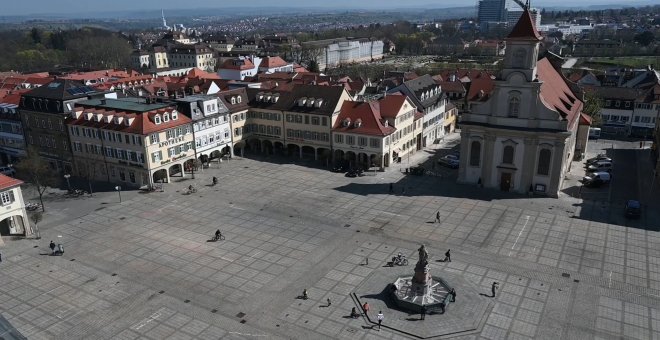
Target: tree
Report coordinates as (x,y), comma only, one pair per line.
(36,171)
(314,66)
(592,106)
(645,38)
(36,217)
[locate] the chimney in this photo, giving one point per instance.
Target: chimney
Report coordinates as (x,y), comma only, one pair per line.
(103,101)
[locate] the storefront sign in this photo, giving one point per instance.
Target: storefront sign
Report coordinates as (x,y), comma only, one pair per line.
(171,141)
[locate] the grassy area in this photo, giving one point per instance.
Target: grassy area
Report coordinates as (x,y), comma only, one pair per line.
(635,62)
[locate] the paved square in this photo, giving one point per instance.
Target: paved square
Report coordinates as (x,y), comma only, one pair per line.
(144,269)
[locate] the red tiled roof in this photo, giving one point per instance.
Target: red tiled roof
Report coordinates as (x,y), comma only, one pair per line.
(7,182)
(480,89)
(142,125)
(555,93)
(452,86)
(235,64)
(272,62)
(585,119)
(197,73)
(366,112)
(13,97)
(390,105)
(524,29)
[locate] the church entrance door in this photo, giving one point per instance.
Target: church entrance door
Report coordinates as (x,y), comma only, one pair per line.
(505,181)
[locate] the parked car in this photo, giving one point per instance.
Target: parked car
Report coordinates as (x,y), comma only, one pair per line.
(449,162)
(417,171)
(596,183)
(600,166)
(8,171)
(633,209)
(602,176)
(452,156)
(600,157)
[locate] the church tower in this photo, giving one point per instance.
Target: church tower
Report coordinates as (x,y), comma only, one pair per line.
(522,48)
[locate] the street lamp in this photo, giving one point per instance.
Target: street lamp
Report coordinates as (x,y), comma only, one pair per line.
(118,188)
(68,183)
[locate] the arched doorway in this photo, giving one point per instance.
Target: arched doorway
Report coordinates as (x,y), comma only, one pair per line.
(293,150)
(12,225)
(175,170)
(323,154)
(215,155)
(386,160)
(374,161)
(267,147)
(190,165)
(160,176)
(351,158)
(226,151)
(278,148)
(254,145)
(239,148)
(339,157)
(308,152)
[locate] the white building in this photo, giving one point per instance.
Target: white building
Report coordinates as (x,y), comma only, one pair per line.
(13,219)
(335,52)
(524,137)
(211,126)
(238,69)
(427,95)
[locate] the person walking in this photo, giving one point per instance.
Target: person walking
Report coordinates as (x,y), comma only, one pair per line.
(305,296)
(437,217)
(52,247)
(329,302)
(365,307)
(493,288)
(354,313)
(422,313)
(380,318)
(448,256)
(452,292)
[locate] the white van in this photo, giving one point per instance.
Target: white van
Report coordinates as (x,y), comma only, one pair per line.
(605,177)
(600,166)
(594,133)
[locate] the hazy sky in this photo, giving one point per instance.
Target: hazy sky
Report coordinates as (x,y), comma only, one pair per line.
(26,7)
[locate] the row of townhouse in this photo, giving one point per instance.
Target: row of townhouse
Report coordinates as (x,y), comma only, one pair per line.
(628,111)
(143,141)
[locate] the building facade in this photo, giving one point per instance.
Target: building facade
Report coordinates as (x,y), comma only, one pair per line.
(12,140)
(332,53)
(211,127)
(523,137)
(13,218)
(44,112)
(133,142)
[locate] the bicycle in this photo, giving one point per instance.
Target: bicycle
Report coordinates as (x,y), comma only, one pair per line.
(218,237)
(399,261)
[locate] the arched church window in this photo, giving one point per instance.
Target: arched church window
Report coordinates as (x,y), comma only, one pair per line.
(514,105)
(544,162)
(475,153)
(507,154)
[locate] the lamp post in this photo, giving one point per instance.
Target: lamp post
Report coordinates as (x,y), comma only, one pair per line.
(68,183)
(118,188)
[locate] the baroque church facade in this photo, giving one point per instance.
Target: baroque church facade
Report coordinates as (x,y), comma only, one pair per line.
(524,137)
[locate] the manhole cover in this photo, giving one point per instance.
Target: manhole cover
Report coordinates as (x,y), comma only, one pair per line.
(122,218)
(565,274)
(72,260)
(114,274)
(186,301)
(243,321)
(161,292)
(240,315)
(576,280)
(346,225)
(214,311)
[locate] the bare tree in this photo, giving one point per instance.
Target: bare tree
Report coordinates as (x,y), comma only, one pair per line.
(36,171)
(88,172)
(36,217)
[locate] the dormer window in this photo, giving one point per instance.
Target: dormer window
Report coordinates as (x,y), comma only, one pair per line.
(357,123)
(166,117)
(310,102)
(302,101)
(319,102)
(157,119)
(175,115)
(233,100)
(346,122)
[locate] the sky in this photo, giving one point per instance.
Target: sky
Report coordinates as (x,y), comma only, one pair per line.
(28,7)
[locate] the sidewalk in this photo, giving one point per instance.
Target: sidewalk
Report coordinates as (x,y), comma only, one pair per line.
(422,156)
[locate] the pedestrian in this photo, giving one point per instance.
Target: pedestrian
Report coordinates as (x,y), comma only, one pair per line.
(640,144)
(442,307)
(494,288)
(448,256)
(437,216)
(391,188)
(380,318)
(365,307)
(422,313)
(452,292)
(329,302)
(354,313)
(0,257)
(52,247)
(305,296)
(366,261)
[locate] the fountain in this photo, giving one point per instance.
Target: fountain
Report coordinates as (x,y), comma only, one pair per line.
(421,289)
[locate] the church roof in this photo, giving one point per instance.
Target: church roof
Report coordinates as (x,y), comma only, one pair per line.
(525,28)
(555,93)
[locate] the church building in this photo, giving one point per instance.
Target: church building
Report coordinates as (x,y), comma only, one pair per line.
(524,137)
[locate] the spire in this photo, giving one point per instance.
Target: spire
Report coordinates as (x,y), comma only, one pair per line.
(525,28)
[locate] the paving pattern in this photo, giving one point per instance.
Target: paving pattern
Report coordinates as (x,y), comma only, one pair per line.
(146,269)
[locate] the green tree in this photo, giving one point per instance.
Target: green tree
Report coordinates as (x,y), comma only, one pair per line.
(645,38)
(36,171)
(592,106)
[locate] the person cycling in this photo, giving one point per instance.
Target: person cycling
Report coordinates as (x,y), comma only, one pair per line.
(215,180)
(191,188)
(217,234)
